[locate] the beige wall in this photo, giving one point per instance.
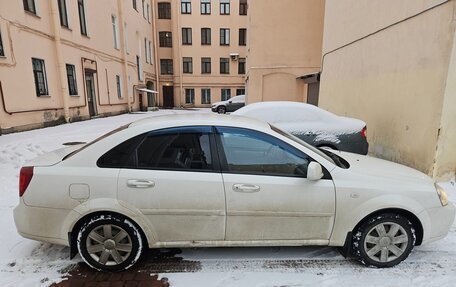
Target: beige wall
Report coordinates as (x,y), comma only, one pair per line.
(393,79)
(285,43)
(26,35)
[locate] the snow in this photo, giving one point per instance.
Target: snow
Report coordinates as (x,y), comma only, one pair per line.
(25,262)
(300,118)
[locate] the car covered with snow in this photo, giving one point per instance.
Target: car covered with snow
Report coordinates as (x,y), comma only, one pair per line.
(211,181)
(229,105)
(312,124)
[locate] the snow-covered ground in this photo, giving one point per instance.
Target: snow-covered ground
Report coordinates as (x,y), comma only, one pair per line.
(27,263)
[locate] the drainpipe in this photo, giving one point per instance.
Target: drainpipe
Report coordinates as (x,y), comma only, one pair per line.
(55,18)
(179,53)
(154,38)
(123,51)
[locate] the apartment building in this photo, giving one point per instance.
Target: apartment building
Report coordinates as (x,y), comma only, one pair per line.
(64,60)
(201,51)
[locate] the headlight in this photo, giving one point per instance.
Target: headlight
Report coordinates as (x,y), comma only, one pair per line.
(442,194)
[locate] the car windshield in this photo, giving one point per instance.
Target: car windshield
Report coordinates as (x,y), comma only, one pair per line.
(96,140)
(303,143)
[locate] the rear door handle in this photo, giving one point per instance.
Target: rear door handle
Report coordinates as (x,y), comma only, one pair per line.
(242,187)
(140,183)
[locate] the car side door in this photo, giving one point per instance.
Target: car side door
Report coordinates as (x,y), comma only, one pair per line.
(174,179)
(268,196)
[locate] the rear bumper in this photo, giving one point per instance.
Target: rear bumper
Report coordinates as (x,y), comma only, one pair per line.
(41,224)
(437,222)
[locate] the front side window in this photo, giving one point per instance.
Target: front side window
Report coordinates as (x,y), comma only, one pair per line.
(186,36)
(224,65)
(82,17)
(184,149)
(252,152)
(164,10)
(71,77)
(39,73)
(29,5)
(186,7)
(205,7)
(205,96)
(205,36)
(224,36)
(226,94)
(224,7)
(187,65)
(165,39)
(63,13)
(166,66)
(205,65)
(190,96)
(241,66)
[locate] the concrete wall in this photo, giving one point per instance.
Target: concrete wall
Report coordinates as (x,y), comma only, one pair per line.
(394,79)
(285,43)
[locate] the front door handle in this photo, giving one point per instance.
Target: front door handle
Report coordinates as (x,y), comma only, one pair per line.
(242,187)
(140,183)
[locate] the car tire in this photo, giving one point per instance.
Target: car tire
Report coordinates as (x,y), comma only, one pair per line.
(110,243)
(221,110)
(384,240)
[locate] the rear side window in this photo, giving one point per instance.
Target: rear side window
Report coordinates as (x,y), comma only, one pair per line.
(123,155)
(176,151)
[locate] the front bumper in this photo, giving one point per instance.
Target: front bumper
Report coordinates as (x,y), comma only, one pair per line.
(41,224)
(214,109)
(437,222)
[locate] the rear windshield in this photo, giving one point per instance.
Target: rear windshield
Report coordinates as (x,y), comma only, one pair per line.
(96,140)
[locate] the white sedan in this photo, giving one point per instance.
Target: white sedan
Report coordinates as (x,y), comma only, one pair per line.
(209,180)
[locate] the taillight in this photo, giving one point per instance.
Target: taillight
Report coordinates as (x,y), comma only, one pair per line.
(364,132)
(25,177)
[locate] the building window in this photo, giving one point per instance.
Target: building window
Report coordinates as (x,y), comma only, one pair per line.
(82,17)
(164,10)
(190,96)
(165,39)
(241,66)
(150,53)
(205,65)
(119,87)
(205,96)
(240,92)
(115,31)
(166,66)
(146,50)
(148,12)
(126,37)
(39,73)
(242,37)
(2,51)
(243,7)
(224,65)
(29,5)
(205,7)
(186,7)
(224,7)
(71,77)
(224,36)
(135,5)
(139,67)
(205,36)
(188,65)
(186,36)
(226,94)
(144,8)
(63,13)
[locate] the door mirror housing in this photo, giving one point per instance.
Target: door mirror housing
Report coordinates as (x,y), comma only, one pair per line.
(314,171)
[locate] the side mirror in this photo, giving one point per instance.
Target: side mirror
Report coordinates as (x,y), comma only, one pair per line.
(314,171)
(229,102)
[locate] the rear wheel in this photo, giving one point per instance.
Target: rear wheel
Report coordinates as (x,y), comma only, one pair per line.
(221,110)
(110,243)
(384,240)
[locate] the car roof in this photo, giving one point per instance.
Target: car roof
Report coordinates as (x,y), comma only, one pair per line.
(200,119)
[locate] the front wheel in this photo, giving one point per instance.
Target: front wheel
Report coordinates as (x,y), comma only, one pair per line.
(221,110)
(109,243)
(384,240)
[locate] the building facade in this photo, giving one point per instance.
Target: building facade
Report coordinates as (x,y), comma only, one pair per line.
(393,65)
(64,60)
(201,51)
(285,43)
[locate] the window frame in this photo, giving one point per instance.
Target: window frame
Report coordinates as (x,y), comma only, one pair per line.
(225,7)
(168,63)
(186,7)
(206,64)
(71,79)
(238,91)
(243,7)
(63,13)
(207,32)
(187,66)
(224,162)
(82,18)
(35,77)
(226,94)
(205,7)
(119,86)
(115,31)
(2,48)
(224,66)
(187,36)
(165,41)
(29,8)
(205,96)
(140,138)
(243,37)
(241,63)
(135,5)
(164,10)
(224,36)
(192,96)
